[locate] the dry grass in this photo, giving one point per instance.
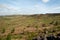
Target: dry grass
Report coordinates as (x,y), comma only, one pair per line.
(28,26)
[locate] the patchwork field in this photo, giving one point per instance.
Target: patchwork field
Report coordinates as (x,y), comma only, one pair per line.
(26,27)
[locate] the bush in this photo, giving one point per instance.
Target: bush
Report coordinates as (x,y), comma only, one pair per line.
(36,26)
(3,30)
(28,26)
(56,23)
(8,37)
(52,22)
(43,25)
(0,38)
(12,31)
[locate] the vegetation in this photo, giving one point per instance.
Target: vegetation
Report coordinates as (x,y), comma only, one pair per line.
(8,37)
(26,27)
(12,31)
(3,30)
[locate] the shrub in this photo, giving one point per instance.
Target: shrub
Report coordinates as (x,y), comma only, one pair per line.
(56,23)
(36,26)
(0,38)
(28,26)
(3,30)
(12,31)
(8,37)
(43,25)
(52,22)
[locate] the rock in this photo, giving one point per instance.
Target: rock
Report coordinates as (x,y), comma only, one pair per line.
(34,38)
(58,37)
(51,37)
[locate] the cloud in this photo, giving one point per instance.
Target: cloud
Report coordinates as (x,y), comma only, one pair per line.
(56,8)
(53,10)
(45,1)
(7,7)
(40,8)
(43,9)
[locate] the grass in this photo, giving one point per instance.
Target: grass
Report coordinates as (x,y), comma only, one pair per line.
(28,27)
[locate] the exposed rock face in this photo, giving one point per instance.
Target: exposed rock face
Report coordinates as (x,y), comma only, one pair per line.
(51,37)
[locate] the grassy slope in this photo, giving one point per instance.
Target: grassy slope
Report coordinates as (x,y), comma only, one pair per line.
(27,27)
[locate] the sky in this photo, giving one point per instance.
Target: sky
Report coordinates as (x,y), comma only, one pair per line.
(27,7)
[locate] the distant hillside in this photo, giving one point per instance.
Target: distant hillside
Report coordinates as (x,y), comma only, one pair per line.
(25,27)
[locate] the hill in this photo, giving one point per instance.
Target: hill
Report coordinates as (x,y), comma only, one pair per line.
(26,27)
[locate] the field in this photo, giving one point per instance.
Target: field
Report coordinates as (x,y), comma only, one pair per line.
(26,27)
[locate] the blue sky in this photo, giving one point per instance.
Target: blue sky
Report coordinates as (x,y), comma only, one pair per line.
(8,7)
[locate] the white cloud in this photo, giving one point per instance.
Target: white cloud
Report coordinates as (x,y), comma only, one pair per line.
(40,8)
(45,1)
(7,8)
(53,10)
(56,8)
(43,9)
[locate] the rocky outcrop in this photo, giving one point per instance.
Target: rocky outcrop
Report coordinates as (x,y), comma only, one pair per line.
(51,37)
